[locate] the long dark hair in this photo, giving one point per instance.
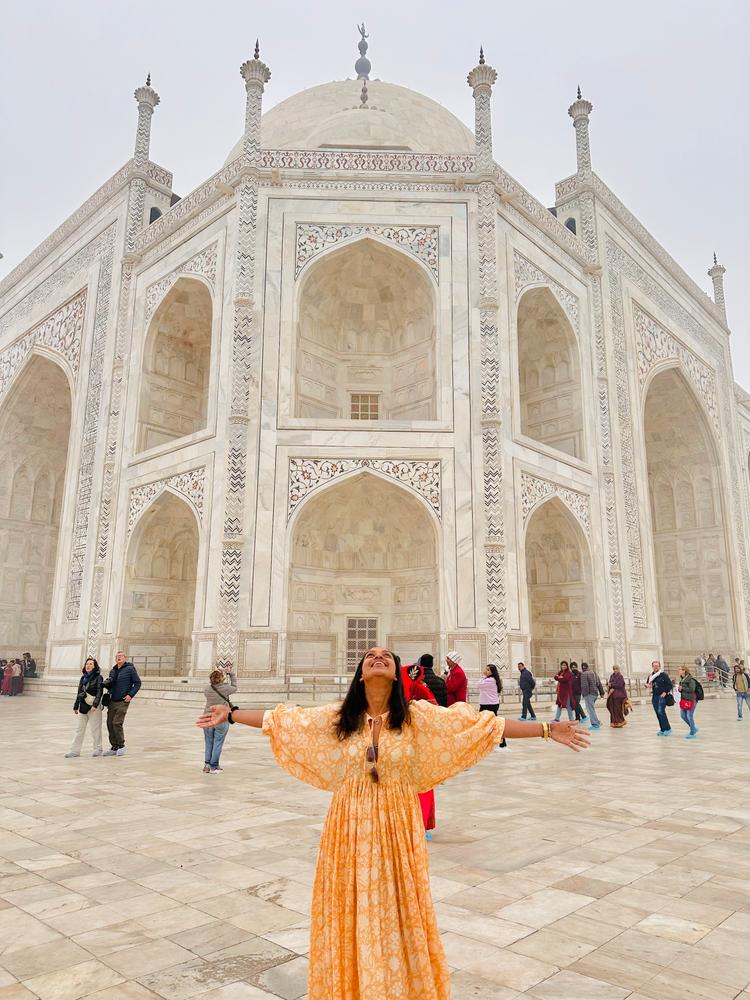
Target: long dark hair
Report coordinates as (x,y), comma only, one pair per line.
(353,708)
(494,672)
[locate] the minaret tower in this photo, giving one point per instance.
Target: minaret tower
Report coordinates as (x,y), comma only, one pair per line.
(481,80)
(147,100)
(716,274)
(256,75)
(579,111)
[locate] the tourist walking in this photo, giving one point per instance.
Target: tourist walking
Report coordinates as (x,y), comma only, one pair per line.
(217,692)
(527,683)
(564,699)
(29,665)
(431,680)
(490,688)
(455,681)
(123,684)
(87,708)
(591,689)
(741,685)
(7,685)
(580,714)
(661,685)
(688,700)
(373,931)
(617,699)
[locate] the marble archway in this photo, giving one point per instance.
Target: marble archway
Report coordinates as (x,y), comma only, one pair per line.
(363,569)
(366,336)
(693,575)
(560,588)
(549,372)
(158,603)
(176,364)
(34,433)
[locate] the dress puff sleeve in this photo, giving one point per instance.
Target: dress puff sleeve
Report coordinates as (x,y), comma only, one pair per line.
(448,740)
(304,743)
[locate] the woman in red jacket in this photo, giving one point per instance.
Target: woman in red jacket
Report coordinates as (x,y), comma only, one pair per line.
(455,682)
(565,696)
(416,690)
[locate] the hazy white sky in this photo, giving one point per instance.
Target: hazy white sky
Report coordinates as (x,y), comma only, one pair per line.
(668,80)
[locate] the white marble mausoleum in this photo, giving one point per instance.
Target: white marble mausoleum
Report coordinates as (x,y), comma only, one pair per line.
(360,386)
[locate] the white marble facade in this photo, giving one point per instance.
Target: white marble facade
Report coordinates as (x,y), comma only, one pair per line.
(361,386)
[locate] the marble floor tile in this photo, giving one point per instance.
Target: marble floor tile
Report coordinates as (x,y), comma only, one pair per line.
(552,946)
(467,986)
(141,959)
(673,928)
(50,957)
(544,907)
(572,986)
(74,982)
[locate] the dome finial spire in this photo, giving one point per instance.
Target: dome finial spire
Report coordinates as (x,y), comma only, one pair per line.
(363,65)
(256,54)
(578,92)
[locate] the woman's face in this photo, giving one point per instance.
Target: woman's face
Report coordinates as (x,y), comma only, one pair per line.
(487,672)
(378,662)
(88,665)
(683,672)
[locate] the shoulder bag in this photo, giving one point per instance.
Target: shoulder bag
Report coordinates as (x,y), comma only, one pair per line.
(232,707)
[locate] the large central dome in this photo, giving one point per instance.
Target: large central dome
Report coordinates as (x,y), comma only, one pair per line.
(331,116)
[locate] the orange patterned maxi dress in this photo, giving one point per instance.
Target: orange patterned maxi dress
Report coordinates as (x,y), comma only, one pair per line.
(373,933)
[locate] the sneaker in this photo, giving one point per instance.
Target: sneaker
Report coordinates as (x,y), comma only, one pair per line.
(96,753)
(521,718)
(667,732)
(427,835)
(72,753)
(121,752)
(691,736)
(216,770)
(109,753)
(206,769)
(596,725)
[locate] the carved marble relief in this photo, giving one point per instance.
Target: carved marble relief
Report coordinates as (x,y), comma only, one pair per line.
(61,332)
(534,489)
(203,263)
(190,485)
(307,474)
(420,241)
(526,273)
(655,344)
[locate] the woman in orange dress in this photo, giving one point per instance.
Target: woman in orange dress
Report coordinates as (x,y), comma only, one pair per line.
(373,932)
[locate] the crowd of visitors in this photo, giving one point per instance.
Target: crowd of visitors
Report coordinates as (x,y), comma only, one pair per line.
(13,672)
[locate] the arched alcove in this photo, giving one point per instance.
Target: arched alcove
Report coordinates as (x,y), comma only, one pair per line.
(366,341)
(363,570)
(34,433)
(176,366)
(549,371)
(560,587)
(693,576)
(158,604)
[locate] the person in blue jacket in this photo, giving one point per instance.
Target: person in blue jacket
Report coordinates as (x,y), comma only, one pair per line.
(122,685)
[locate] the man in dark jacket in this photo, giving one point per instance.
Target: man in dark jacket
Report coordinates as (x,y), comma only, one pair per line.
(580,714)
(432,681)
(661,687)
(123,684)
(527,683)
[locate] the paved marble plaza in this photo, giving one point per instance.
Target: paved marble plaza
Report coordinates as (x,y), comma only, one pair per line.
(620,873)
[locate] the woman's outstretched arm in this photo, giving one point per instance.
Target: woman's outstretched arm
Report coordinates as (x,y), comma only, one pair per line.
(565,733)
(217,714)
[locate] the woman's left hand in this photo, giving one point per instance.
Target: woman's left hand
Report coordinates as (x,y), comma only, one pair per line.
(567,734)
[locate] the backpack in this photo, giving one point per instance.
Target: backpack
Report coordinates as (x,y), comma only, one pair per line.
(533,683)
(699,696)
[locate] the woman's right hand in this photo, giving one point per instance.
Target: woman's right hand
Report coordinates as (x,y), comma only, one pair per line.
(215,715)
